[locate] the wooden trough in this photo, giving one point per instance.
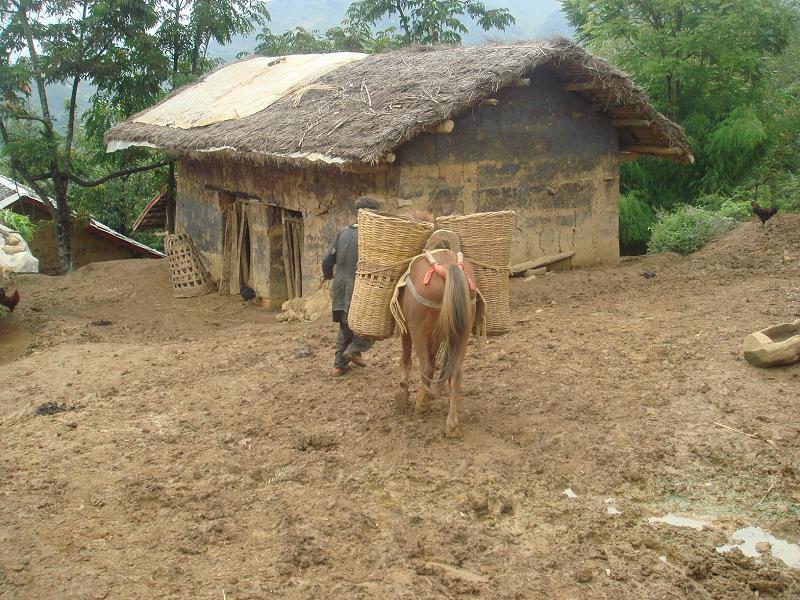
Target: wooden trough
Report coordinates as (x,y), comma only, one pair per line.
(773,346)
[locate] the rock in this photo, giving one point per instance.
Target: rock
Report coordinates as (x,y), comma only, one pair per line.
(304,353)
(534,272)
(583,575)
(763,547)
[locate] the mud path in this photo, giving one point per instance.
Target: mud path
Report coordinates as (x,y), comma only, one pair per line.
(204,454)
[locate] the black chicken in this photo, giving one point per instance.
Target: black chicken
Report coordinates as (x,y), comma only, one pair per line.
(765,214)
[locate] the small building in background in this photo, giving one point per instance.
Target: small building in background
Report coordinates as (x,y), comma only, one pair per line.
(272,151)
(91,241)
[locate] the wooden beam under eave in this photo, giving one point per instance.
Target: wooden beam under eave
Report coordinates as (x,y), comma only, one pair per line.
(490,102)
(524,82)
(627,156)
(582,86)
(654,150)
(630,123)
(445,126)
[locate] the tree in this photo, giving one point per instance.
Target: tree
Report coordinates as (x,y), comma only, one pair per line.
(348,37)
(131,51)
(72,41)
(704,63)
(430,21)
(687,51)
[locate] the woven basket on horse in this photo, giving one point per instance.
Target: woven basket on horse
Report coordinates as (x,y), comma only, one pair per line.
(189,275)
(486,243)
(386,244)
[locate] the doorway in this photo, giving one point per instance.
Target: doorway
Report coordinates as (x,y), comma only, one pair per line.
(292,225)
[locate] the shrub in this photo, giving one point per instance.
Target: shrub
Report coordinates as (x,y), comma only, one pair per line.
(17,222)
(635,219)
(686,229)
(736,210)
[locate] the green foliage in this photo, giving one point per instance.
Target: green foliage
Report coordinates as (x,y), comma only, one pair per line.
(430,21)
(709,65)
(635,219)
(19,223)
(420,22)
(737,210)
(687,229)
(348,37)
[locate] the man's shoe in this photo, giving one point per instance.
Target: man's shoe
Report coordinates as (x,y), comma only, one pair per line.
(355,358)
(338,372)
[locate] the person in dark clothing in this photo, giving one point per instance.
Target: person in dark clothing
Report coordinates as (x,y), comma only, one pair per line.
(339,263)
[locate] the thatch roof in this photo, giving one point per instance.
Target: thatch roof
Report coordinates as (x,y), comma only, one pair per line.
(361,112)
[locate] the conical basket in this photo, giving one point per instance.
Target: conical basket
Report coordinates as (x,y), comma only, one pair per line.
(386,244)
(486,243)
(189,275)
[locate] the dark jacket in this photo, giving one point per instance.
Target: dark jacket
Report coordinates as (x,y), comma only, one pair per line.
(342,254)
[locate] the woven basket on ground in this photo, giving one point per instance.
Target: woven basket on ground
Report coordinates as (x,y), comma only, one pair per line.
(486,243)
(386,244)
(189,275)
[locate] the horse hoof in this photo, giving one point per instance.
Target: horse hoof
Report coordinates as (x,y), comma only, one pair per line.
(454,432)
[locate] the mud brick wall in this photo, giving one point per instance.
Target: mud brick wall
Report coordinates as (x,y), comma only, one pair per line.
(86,248)
(546,153)
(543,152)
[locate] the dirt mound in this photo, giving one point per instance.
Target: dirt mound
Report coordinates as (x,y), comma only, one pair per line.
(753,246)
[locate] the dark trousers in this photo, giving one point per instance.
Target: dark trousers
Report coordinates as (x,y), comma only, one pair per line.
(347,341)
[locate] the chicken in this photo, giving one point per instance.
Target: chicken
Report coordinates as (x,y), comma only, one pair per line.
(246,292)
(765,214)
(10,302)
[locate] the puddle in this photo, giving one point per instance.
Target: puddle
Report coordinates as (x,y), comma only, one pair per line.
(750,539)
(677,521)
(569,493)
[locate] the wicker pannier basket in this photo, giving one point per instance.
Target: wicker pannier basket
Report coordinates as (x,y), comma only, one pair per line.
(486,243)
(189,276)
(386,244)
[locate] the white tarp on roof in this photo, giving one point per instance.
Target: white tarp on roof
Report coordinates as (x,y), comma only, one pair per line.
(243,89)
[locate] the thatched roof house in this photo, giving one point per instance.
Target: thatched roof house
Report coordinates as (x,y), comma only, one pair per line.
(511,126)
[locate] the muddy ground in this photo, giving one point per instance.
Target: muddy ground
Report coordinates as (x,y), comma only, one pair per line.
(205,452)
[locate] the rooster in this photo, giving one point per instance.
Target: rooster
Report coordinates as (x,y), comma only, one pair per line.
(10,302)
(765,214)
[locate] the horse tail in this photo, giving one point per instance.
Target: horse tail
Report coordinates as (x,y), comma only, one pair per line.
(453,327)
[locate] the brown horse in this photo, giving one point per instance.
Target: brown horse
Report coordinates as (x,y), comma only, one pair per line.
(437,319)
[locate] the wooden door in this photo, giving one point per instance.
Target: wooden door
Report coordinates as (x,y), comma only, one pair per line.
(292,251)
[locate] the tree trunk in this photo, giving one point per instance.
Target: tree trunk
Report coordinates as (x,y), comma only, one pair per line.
(170,198)
(62,222)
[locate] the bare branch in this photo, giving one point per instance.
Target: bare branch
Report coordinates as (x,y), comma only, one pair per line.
(82,182)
